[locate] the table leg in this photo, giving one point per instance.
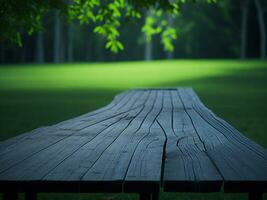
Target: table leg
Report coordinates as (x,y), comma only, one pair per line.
(155,195)
(145,196)
(30,196)
(10,196)
(255,196)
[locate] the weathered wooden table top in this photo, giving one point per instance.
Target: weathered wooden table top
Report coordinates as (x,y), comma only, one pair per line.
(141,140)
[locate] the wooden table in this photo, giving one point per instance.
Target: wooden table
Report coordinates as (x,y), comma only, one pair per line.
(142,140)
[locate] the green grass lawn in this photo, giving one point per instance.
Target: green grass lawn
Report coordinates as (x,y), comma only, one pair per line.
(37,95)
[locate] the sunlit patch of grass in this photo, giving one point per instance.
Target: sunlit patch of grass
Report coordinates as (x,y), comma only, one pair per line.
(122,75)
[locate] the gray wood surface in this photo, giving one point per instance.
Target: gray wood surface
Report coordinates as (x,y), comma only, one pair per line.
(241,162)
(187,166)
(143,139)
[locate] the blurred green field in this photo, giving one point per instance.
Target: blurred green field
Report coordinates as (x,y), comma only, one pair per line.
(37,95)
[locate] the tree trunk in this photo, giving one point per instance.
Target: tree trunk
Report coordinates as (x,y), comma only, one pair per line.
(70,43)
(2,47)
(262,29)
(244,25)
(148,45)
(89,45)
(23,52)
(63,40)
(40,47)
(148,50)
(57,37)
(69,39)
(169,55)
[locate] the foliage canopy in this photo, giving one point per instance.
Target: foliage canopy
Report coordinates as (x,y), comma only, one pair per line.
(18,16)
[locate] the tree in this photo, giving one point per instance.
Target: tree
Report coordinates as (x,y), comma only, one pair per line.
(170,53)
(18,16)
(40,52)
(156,23)
(244,28)
(70,43)
(260,11)
(148,42)
(57,38)
(148,53)
(39,47)
(2,54)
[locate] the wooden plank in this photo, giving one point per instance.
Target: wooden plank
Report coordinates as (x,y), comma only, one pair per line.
(241,162)
(121,148)
(75,166)
(119,99)
(25,149)
(88,120)
(86,156)
(32,145)
(144,169)
(34,142)
(147,159)
(38,165)
(49,153)
(187,167)
(13,141)
(102,170)
(35,166)
(115,160)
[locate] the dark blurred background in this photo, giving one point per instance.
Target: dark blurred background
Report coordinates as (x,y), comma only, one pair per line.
(203,31)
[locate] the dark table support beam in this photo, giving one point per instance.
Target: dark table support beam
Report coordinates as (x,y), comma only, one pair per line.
(30,196)
(255,196)
(145,196)
(10,196)
(155,195)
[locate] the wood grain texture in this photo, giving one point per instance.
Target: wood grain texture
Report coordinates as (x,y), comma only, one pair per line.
(34,157)
(142,139)
(47,140)
(241,162)
(187,166)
